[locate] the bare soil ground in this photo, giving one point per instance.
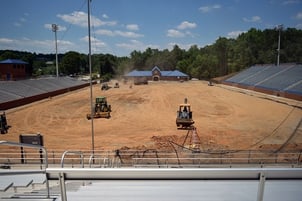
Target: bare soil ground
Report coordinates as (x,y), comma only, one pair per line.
(143,117)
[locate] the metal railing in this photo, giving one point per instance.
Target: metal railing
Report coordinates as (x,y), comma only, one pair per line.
(43,160)
(159,166)
(258,174)
(139,158)
(73,153)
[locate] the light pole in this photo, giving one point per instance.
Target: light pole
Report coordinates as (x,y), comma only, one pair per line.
(279,28)
(90,72)
(55,29)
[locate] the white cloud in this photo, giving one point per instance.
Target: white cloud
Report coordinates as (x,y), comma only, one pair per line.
(6,41)
(22,20)
(299,16)
(209,8)
(41,46)
(132,45)
(105,16)
(186,25)
(235,34)
(95,43)
(81,19)
(132,27)
(126,34)
(105,32)
(136,45)
(252,19)
(298,26)
(17,24)
(175,33)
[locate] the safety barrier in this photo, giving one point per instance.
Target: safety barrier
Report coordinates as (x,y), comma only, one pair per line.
(63,174)
(24,172)
(11,158)
(260,174)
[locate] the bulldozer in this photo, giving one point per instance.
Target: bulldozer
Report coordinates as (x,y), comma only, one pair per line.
(3,123)
(101,108)
(184,116)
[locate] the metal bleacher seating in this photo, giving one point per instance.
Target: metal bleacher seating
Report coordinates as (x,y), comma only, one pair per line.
(12,90)
(239,78)
(286,77)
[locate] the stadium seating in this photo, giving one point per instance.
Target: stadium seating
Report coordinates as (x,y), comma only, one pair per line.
(14,90)
(286,78)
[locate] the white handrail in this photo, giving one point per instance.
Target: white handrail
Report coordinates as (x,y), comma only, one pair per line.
(260,174)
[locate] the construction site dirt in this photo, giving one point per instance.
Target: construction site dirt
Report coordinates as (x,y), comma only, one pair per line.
(143,117)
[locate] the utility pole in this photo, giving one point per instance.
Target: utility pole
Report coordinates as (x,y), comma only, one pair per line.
(279,28)
(55,28)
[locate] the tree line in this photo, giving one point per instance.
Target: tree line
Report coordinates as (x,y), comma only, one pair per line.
(225,56)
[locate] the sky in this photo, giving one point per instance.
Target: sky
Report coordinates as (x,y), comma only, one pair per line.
(119,27)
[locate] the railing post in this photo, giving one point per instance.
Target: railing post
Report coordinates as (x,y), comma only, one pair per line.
(261,187)
(62,186)
(72,152)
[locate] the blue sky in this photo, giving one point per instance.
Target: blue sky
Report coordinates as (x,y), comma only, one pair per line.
(119,27)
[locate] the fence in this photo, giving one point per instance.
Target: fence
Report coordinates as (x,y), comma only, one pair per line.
(10,158)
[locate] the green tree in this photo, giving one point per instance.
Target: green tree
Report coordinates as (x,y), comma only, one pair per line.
(71,63)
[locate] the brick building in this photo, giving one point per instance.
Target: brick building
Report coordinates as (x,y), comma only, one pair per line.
(156,74)
(12,69)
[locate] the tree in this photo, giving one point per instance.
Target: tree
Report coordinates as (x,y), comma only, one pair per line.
(71,63)
(222,48)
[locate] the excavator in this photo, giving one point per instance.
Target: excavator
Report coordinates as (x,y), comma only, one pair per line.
(3,123)
(101,108)
(184,116)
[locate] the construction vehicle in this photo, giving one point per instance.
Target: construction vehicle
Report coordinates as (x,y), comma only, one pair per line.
(3,123)
(116,85)
(104,86)
(184,116)
(101,108)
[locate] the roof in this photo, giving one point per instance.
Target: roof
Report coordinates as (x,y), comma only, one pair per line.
(136,73)
(174,73)
(13,61)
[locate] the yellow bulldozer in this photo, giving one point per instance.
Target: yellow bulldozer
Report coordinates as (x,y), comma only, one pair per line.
(184,119)
(101,108)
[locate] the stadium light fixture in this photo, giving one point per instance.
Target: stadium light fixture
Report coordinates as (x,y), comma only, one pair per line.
(279,28)
(55,28)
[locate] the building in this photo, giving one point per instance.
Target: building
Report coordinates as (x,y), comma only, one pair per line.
(156,75)
(12,69)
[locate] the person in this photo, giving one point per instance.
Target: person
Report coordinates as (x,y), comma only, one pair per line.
(185,114)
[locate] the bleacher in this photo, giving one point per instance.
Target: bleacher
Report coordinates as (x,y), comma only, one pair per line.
(22,89)
(286,78)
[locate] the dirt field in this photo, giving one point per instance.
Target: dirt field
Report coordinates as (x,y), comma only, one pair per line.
(144,117)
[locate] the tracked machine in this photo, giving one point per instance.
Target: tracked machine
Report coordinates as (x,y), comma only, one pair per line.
(3,124)
(184,118)
(101,108)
